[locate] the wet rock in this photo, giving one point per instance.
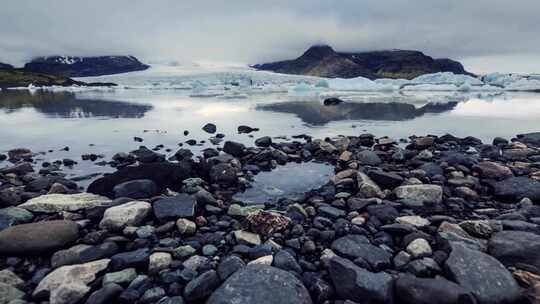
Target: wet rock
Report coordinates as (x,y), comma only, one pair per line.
(123,277)
(223,174)
(136,258)
(29,239)
(516,248)
(420,193)
(69,284)
(358,246)
(264,141)
(412,290)
(210,128)
(18,169)
(233,148)
(107,294)
(387,180)
(368,157)
(284,260)
(171,208)
(129,214)
(333,101)
(136,189)
(516,188)
(202,286)
(152,295)
(262,285)
(163,174)
(52,203)
(354,283)
(482,275)
(246,129)
(492,170)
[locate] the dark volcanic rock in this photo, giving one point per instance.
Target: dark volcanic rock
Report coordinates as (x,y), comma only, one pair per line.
(69,66)
(413,290)
(515,248)
(37,238)
(323,61)
(482,275)
(333,101)
(136,189)
(174,207)
(358,246)
(357,284)
(233,148)
(516,188)
(210,128)
(165,175)
(262,285)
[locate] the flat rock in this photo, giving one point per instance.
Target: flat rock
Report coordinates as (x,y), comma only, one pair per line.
(515,248)
(262,285)
(358,246)
(69,284)
(52,203)
(357,284)
(136,189)
(174,207)
(128,214)
(482,275)
(30,239)
(420,193)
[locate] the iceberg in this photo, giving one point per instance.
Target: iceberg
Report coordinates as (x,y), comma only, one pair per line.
(447,78)
(359,84)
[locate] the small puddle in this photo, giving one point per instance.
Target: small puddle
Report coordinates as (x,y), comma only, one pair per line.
(289,181)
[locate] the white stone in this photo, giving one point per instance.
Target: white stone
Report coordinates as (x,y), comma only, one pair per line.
(414,220)
(52,203)
(159,261)
(359,220)
(248,238)
(69,284)
(419,248)
(265,260)
(421,193)
(186,227)
(128,214)
(11,279)
(367,188)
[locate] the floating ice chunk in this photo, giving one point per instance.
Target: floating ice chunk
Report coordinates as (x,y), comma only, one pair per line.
(431,87)
(358,84)
(447,78)
(524,85)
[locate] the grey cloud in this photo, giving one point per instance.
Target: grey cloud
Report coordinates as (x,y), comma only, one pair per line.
(254,31)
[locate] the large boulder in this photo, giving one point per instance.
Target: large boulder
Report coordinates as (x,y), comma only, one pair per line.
(136,189)
(69,284)
(359,285)
(516,248)
(164,174)
(482,275)
(174,207)
(358,246)
(413,290)
(492,170)
(262,285)
(128,214)
(514,189)
(37,238)
(52,203)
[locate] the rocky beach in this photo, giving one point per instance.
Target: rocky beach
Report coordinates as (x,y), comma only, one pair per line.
(426,219)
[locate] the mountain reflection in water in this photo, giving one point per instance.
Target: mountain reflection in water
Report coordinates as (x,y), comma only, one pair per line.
(315,113)
(68,105)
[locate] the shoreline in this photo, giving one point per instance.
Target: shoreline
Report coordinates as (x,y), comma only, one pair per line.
(387,223)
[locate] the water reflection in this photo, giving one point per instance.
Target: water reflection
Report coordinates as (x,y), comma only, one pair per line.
(315,113)
(67,105)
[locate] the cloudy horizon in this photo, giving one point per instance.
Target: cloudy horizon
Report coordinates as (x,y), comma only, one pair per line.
(486,36)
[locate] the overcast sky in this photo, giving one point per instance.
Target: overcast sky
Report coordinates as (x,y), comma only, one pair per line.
(486,35)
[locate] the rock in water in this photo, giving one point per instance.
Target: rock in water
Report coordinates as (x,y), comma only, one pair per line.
(515,248)
(210,128)
(69,284)
(37,238)
(357,284)
(171,208)
(482,275)
(413,290)
(333,101)
(129,214)
(262,285)
(52,203)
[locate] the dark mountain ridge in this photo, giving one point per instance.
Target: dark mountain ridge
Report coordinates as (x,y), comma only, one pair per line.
(324,61)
